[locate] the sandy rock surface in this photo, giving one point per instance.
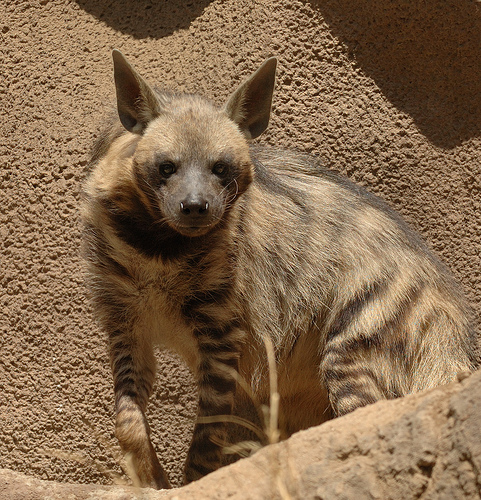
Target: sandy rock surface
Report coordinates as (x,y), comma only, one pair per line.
(389,93)
(425,446)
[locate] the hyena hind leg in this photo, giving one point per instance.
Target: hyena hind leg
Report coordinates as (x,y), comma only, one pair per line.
(360,370)
(134,372)
(353,382)
(364,361)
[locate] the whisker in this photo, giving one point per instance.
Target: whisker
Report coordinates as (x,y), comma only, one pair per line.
(228,199)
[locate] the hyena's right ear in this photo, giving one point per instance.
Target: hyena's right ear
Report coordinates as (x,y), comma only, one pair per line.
(250,105)
(136,101)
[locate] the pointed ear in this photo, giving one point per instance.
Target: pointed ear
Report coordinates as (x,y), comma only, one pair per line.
(137,103)
(250,105)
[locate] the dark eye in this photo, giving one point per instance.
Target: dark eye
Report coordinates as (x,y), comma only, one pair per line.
(166,169)
(219,169)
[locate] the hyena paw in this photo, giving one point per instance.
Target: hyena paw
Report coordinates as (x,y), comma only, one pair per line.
(145,469)
(199,468)
(133,435)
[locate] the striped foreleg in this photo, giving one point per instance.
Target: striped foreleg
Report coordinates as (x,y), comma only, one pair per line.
(133,367)
(219,356)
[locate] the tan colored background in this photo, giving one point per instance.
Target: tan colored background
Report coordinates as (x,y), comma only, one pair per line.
(387,92)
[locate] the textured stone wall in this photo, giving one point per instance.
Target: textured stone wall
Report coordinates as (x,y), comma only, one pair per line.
(388,93)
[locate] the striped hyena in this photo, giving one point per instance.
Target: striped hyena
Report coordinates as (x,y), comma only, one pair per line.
(207,245)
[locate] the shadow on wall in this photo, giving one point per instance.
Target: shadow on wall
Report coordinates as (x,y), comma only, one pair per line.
(425,56)
(145,18)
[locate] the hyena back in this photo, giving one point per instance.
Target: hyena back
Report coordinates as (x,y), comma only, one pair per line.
(207,245)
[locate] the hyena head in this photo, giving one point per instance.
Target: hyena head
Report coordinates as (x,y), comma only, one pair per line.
(191,160)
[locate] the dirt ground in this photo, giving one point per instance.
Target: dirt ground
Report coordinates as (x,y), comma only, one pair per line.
(389,93)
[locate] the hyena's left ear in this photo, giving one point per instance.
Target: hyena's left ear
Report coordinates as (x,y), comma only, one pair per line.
(250,105)
(137,103)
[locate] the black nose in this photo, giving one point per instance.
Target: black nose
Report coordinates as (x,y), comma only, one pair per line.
(194,206)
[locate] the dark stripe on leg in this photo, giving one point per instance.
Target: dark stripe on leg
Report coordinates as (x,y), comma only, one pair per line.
(354,308)
(216,295)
